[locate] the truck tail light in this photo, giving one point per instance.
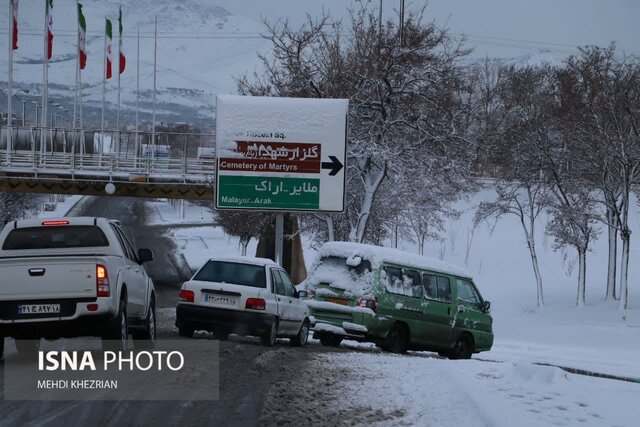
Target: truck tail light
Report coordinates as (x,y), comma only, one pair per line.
(55,222)
(369,303)
(256,304)
(102,281)
(188,296)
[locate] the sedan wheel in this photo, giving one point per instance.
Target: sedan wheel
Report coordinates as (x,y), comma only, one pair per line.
(269,338)
(303,335)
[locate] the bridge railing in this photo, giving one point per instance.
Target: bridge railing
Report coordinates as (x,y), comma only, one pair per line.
(173,156)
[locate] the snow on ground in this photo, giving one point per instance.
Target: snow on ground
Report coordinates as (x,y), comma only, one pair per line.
(380,389)
(198,244)
(62,207)
(168,212)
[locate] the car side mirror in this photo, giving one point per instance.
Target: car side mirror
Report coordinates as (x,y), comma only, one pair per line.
(486,305)
(145,255)
(302,294)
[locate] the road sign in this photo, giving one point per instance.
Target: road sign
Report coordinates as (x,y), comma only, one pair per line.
(285,154)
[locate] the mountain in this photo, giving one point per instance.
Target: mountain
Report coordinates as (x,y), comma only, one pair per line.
(200,48)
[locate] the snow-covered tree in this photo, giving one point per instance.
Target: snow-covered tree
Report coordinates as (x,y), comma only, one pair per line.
(600,90)
(14,205)
(407,101)
(243,224)
(523,118)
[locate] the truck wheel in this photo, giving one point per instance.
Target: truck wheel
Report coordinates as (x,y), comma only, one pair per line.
(146,339)
(269,338)
(301,339)
(398,339)
(116,338)
(27,347)
(185,331)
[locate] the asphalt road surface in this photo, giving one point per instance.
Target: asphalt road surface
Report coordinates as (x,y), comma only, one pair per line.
(247,369)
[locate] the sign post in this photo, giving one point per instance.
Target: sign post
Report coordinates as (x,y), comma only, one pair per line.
(280,154)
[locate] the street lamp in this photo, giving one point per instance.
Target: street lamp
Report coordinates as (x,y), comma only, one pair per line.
(37,116)
(25,91)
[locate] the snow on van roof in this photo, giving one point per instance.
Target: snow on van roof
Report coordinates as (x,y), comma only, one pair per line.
(246,260)
(378,254)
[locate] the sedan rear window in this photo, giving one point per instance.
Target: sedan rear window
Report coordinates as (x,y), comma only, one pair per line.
(232,272)
(65,236)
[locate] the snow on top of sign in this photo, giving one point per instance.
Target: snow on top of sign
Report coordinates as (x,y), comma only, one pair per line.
(377,255)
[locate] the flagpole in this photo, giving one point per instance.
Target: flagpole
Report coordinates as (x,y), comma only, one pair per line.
(75,99)
(153,124)
(138,97)
(118,71)
(104,76)
(45,80)
(10,84)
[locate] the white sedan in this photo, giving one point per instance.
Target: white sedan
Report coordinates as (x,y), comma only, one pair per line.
(245,296)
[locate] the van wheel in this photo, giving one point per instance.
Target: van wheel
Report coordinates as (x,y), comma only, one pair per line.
(301,339)
(27,347)
(330,340)
(117,336)
(269,338)
(146,339)
(463,348)
(397,339)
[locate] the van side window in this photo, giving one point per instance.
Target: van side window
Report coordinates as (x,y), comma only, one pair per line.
(412,283)
(467,292)
(430,286)
(394,280)
(444,289)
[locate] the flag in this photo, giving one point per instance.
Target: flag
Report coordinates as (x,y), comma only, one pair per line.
(82,35)
(109,37)
(49,4)
(122,61)
(14,26)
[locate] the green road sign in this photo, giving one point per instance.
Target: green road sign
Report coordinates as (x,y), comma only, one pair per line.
(268,192)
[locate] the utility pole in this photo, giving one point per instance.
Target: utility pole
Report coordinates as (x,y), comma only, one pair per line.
(401,23)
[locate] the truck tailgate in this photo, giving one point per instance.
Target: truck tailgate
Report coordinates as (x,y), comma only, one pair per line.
(41,278)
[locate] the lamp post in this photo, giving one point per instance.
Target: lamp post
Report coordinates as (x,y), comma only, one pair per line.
(25,91)
(37,115)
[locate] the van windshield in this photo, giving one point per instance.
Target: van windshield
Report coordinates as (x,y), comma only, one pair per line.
(352,276)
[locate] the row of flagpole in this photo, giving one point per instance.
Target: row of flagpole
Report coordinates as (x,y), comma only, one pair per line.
(81,60)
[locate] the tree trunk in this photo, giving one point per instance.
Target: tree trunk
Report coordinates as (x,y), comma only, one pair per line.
(529,233)
(624,268)
(244,242)
(420,244)
(536,271)
(330,228)
(372,183)
(613,255)
(582,270)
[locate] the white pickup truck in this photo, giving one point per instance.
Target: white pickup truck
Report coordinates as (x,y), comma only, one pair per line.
(73,277)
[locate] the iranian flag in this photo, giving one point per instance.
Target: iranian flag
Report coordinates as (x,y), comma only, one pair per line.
(49,6)
(122,61)
(14,25)
(82,38)
(108,53)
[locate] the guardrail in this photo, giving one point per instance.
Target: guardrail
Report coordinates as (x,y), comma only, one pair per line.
(110,155)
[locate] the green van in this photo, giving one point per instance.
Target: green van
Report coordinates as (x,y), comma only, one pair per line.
(397,300)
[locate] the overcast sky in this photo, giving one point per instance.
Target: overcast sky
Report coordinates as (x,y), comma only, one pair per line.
(503,28)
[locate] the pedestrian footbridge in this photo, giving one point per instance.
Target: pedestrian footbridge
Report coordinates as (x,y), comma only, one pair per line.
(139,164)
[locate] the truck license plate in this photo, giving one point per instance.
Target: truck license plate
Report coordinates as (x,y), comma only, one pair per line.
(38,308)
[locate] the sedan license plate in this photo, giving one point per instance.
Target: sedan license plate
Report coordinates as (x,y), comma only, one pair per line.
(220,299)
(39,308)
(337,301)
